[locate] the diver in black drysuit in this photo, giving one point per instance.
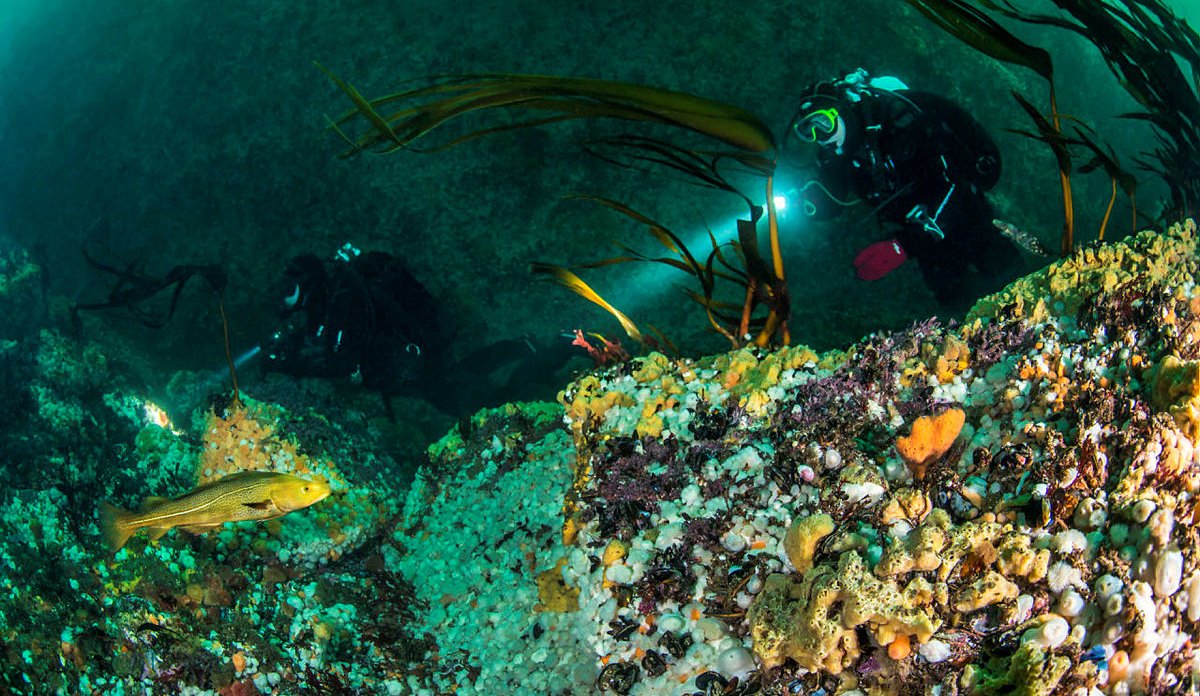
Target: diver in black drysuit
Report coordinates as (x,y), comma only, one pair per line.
(365,316)
(923,164)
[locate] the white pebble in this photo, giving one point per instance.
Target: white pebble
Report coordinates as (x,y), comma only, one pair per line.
(1193,608)
(1168,573)
(1024,607)
(711,628)
(1114,604)
(1050,634)
(1107,585)
(670,623)
(1141,510)
(736,662)
(1071,603)
(733,541)
(620,574)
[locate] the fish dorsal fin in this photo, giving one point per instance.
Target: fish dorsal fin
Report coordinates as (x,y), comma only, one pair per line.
(233,478)
(247,474)
(152,501)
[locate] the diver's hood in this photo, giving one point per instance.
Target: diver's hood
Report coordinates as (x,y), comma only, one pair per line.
(829,121)
(304,275)
(829,116)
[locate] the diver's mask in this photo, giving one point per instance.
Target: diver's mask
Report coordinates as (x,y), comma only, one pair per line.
(820,122)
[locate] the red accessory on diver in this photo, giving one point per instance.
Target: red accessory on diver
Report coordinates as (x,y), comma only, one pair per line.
(879,259)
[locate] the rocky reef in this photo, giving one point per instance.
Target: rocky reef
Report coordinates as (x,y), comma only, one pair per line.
(1006,506)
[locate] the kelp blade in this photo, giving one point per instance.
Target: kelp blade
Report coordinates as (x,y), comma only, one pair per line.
(971,26)
(575,284)
(568,97)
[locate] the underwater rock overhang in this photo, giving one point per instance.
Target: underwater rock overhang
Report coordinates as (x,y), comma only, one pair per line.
(748,516)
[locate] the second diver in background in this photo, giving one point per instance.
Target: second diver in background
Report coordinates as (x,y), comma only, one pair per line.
(363,315)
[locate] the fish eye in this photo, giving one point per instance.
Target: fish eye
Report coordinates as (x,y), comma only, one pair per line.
(304,490)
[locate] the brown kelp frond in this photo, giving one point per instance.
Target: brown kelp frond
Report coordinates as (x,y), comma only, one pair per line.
(726,318)
(575,284)
(668,239)
(135,291)
(1148,47)
(721,315)
(975,28)
(747,247)
(1155,55)
(1103,158)
(1046,132)
(362,106)
(425,109)
(683,260)
(701,167)
(1049,131)
(398,121)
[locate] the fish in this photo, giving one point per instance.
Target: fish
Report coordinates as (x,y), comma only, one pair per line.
(244,495)
(1021,238)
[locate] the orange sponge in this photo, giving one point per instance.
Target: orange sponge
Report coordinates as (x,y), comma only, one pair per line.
(931,437)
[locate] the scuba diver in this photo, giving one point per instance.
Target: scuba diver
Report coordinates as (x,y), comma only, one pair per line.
(366,317)
(923,164)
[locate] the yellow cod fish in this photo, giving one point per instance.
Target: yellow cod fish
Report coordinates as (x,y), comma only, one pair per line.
(245,495)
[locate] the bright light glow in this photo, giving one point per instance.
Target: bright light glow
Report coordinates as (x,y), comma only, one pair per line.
(780,203)
(648,283)
(241,359)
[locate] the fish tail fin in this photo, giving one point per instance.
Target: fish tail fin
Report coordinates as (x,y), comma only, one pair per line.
(114,524)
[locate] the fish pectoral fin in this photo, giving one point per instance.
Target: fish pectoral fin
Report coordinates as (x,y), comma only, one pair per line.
(152,501)
(263,505)
(156,533)
(199,528)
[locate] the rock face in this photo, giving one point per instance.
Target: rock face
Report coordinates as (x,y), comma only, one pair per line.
(1044,548)
(1001,507)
